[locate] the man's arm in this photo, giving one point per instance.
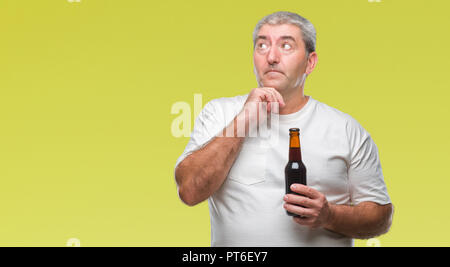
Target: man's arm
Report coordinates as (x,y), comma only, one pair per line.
(362,221)
(365,220)
(202,173)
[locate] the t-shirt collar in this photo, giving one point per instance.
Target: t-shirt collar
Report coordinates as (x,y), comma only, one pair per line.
(298,114)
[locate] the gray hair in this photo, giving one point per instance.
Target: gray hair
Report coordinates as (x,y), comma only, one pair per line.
(283,17)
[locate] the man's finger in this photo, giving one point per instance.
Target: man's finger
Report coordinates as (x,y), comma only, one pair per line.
(305,221)
(268,97)
(265,106)
(298,210)
(277,95)
(305,190)
(276,100)
(299,200)
(268,90)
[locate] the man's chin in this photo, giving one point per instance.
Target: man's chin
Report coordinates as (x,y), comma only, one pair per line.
(277,86)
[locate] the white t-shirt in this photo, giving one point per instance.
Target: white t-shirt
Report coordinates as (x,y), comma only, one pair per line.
(341,159)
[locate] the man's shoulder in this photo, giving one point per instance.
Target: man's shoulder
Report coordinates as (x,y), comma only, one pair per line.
(332,113)
(337,117)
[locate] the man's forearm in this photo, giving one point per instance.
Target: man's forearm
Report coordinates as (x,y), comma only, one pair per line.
(365,220)
(203,172)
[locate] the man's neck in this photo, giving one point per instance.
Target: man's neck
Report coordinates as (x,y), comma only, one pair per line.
(294,101)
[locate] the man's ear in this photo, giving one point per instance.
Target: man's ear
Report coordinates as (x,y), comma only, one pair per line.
(312,62)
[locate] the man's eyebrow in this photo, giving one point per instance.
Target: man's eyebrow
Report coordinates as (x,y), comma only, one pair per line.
(261,37)
(284,37)
(288,37)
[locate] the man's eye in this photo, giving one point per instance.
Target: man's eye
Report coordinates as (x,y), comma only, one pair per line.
(262,46)
(287,46)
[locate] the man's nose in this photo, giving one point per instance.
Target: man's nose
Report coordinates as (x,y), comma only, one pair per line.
(273,57)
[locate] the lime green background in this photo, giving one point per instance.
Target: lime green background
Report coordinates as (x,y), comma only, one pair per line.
(86,89)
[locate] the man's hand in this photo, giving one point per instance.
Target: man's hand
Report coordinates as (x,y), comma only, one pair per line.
(364,220)
(261,96)
(264,94)
(260,102)
(312,206)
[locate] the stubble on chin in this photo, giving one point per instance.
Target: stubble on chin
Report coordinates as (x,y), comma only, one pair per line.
(261,83)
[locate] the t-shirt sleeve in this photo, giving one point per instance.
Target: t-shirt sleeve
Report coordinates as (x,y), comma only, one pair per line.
(364,172)
(206,126)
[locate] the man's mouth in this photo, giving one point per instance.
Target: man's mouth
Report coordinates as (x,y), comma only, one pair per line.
(274,71)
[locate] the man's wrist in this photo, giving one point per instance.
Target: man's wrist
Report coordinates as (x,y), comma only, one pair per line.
(331,217)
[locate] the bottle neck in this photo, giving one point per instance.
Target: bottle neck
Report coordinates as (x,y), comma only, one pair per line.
(294,148)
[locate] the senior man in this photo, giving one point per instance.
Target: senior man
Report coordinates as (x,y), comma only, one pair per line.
(243,177)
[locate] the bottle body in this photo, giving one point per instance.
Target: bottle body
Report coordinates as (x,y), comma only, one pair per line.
(295,170)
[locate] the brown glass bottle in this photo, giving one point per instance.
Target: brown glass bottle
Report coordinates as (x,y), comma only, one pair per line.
(295,171)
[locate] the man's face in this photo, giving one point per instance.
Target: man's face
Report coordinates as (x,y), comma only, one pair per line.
(279,57)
